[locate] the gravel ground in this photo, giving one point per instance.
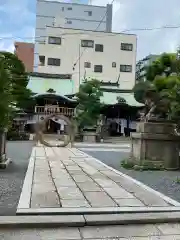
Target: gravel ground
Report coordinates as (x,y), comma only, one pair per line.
(11,179)
(162,181)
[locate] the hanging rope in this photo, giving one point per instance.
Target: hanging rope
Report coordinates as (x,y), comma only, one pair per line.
(41,126)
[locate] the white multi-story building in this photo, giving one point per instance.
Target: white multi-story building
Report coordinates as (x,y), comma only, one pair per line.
(108,57)
(142,65)
(69,15)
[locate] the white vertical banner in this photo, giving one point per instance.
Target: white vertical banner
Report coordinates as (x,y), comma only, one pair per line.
(123,125)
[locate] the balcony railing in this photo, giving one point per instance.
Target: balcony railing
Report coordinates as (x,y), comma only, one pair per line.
(47,110)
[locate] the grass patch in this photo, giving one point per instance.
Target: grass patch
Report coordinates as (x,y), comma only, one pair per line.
(145,166)
(127,164)
(178,180)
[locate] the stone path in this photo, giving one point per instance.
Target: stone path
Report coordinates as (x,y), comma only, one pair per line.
(133,232)
(61,178)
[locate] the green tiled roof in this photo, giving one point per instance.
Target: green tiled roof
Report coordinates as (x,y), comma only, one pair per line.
(41,85)
(110,98)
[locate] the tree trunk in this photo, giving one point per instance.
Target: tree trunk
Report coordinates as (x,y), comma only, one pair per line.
(2,145)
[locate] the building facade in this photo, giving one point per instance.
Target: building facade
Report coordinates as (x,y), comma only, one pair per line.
(69,15)
(53,95)
(108,57)
(141,66)
(25,52)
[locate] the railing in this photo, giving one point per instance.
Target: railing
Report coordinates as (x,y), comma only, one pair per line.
(47,110)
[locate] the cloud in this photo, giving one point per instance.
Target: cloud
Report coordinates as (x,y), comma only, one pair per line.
(7,46)
(127,14)
(19,24)
(133,14)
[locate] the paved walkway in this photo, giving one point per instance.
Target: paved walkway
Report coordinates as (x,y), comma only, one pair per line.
(61,178)
(81,191)
(134,232)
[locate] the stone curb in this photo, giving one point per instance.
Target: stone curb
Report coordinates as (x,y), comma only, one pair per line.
(4,164)
(41,221)
(136,218)
(99,211)
(87,220)
(25,197)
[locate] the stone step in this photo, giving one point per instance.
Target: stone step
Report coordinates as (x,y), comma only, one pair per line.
(96,210)
(80,220)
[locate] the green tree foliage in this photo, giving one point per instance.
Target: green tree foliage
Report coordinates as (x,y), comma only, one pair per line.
(89,105)
(164,65)
(172,95)
(140,89)
(163,79)
(5,94)
(19,80)
(13,86)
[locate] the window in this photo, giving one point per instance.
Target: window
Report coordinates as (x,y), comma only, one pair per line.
(69,8)
(126,46)
(99,48)
(87,43)
(125,68)
(114,64)
(89,13)
(41,60)
(54,61)
(87,65)
(98,68)
(54,40)
(69,22)
(63,9)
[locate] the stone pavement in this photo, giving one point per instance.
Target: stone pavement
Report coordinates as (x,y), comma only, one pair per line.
(134,232)
(67,178)
(104,147)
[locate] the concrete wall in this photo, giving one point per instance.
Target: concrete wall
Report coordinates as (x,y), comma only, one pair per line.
(69,52)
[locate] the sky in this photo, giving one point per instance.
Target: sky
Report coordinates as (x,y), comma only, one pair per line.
(17,22)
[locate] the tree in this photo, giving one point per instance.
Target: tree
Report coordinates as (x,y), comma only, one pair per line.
(140,89)
(89,105)
(5,105)
(5,94)
(165,65)
(19,80)
(162,88)
(171,93)
(13,92)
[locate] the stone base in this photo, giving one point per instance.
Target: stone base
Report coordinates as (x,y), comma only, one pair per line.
(89,137)
(156,144)
(5,162)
